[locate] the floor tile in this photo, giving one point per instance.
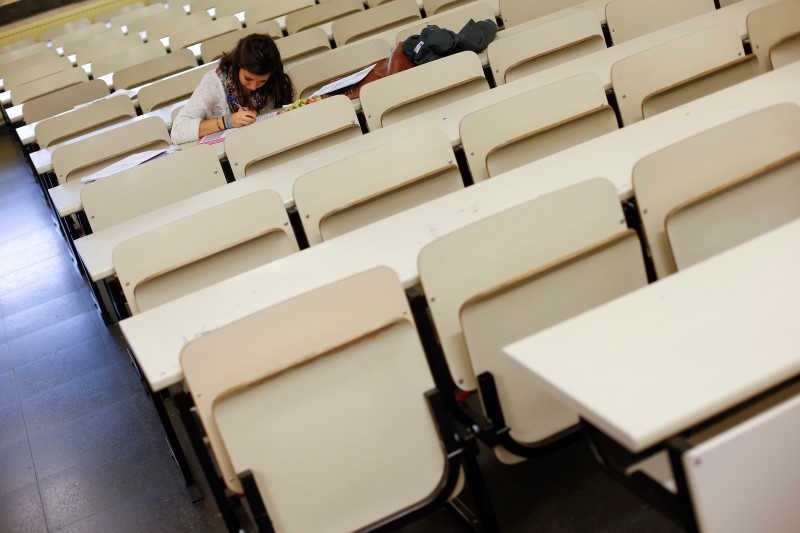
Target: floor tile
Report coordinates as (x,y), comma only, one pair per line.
(54,311)
(83,491)
(57,337)
(16,467)
(8,389)
(12,425)
(5,356)
(63,366)
(76,398)
(21,511)
(39,283)
(29,243)
(31,255)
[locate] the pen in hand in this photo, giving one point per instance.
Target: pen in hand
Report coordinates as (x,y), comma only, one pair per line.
(248,114)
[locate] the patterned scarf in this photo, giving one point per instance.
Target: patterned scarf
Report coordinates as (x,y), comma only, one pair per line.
(256,100)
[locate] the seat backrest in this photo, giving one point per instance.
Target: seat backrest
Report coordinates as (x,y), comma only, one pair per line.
(65,39)
(454,19)
(545,45)
(101,45)
(433,7)
(311,74)
(785,52)
(213,48)
(363,368)
(56,102)
(106,16)
(261,11)
(73,25)
(154,69)
(680,70)
(422,88)
(515,12)
(84,156)
(535,124)
(86,118)
(485,291)
(725,156)
(745,208)
(303,44)
(31,55)
(202,249)
(628,19)
(127,17)
(301,131)
(771,26)
(164,26)
(203,5)
(232,7)
(375,184)
(320,14)
(73,43)
(374,20)
(35,70)
(127,58)
(201,32)
(53,82)
(172,88)
(151,185)
(22,52)
(16,45)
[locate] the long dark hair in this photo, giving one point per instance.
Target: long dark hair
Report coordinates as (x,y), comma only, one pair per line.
(257,53)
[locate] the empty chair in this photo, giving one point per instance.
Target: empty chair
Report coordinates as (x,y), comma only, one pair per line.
(545,45)
(375,20)
(320,14)
(201,32)
(628,19)
(163,26)
(34,70)
(261,11)
(64,41)
(485,291)
(451,19)
(82,157)
(303,44)
(203,5)
(232,7)
(213,48)
(172,89)
(202,249)
(535,124)
(311,74)
(91,42)
(98,47)
(422,88)
(302,131)
(125,18)
(25,57)
(515,12)
(720,187)
(128,58)
(364,369)
(774,30)
(106,16)
(679,71)
(375,184)
(77,24)
(83,119)
(53,82)
(151,185)
(154,69)
(16,45)
(432,7)
(62,100)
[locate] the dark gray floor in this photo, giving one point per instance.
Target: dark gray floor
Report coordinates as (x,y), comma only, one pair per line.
(82,450)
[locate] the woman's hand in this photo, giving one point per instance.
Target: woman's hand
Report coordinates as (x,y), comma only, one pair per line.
(242,117)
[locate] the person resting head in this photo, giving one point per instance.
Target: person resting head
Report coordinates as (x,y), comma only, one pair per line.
(248,80)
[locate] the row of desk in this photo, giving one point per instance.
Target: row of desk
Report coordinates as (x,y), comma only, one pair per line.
(156,337)
(66,198)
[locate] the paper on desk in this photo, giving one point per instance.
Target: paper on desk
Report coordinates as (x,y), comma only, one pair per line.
(214,138)
(352,79)
(125,163)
